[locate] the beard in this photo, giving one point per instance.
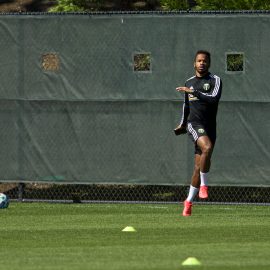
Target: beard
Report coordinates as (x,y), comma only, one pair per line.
(202,71)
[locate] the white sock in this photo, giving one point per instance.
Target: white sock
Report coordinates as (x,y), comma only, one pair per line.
(204,179)
(192,193)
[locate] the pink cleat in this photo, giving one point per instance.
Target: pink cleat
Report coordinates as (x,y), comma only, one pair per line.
(187,208)
(203,193)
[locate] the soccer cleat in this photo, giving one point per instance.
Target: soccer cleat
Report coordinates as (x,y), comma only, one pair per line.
(187,208)
(203,193)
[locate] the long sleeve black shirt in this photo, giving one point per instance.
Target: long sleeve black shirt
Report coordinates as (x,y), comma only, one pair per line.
(201,106)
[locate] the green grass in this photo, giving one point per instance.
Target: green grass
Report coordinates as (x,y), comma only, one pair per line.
(88,236)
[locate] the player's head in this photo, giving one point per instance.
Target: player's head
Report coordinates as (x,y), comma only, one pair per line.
(202,62)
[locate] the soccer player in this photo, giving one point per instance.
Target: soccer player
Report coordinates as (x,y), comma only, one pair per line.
(202,94)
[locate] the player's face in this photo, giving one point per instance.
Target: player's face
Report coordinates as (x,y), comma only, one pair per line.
(201,64)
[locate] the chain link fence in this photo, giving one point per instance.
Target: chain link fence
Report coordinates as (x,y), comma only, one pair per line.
(75,193)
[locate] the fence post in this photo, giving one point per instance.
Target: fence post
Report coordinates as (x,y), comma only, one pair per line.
(20,192)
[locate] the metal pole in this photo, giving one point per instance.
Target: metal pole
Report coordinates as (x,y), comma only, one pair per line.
(20,192)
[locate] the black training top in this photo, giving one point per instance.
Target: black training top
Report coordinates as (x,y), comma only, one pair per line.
(201,106)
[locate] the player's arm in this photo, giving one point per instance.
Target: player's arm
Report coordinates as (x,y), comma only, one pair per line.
(214,95)
(181,128)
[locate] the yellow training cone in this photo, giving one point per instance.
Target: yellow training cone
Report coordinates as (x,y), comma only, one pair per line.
(129,229)
(191,261)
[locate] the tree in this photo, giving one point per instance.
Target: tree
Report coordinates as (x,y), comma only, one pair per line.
(67,6)
(232,5)
(103,5)
(174,4)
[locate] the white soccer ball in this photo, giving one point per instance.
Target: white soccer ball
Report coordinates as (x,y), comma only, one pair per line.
(4,201)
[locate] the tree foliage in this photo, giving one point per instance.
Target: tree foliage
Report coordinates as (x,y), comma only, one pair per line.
(103,5)
(174,4)
(96,5)
(232,5)
(66,6)
(77,5)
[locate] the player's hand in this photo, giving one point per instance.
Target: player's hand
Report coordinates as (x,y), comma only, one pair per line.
(184,89)
(180,130)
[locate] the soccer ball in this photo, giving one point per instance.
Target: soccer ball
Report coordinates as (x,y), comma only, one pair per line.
(4,201)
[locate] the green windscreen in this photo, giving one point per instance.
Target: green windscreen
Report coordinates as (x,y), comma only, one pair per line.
(91,98)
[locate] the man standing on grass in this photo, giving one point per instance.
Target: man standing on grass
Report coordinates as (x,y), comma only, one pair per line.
(202,94)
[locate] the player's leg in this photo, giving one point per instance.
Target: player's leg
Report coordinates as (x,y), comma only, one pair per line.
(206,146)
(195,179)
(194,187)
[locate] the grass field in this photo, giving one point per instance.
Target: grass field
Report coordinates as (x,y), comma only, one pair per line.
(89,236)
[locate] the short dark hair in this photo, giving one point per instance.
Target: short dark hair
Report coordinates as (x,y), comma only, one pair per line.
(203,52)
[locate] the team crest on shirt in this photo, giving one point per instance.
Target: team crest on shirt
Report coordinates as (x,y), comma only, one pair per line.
(201,130)
(206,86)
